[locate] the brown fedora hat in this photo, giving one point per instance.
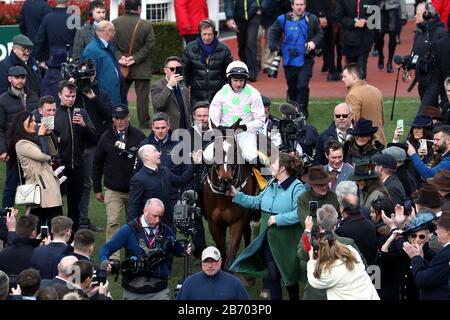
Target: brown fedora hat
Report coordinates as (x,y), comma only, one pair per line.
(441,180)
(427,196)
(444,220)
(316,175)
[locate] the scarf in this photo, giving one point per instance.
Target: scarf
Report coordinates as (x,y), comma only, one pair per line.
(206,49)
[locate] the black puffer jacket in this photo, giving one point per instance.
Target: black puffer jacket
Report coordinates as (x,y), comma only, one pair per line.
(205,79)
(10,105)
(242,9)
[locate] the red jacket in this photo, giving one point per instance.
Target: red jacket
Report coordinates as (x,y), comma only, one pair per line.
(443,8)
(189,13)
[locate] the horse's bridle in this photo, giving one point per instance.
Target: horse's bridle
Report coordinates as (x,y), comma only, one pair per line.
(235,179)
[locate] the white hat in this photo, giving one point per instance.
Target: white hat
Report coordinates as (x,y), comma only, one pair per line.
(211,252)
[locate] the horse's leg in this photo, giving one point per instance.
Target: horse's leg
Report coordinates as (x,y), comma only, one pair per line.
(236,232)
(218,233)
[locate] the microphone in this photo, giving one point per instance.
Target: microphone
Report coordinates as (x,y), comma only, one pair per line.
(399,60)
(288,109)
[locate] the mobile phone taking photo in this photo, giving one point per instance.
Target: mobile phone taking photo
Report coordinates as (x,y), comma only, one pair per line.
(44,232)
(313,208)
(407,206)
(100,277)
(179,70)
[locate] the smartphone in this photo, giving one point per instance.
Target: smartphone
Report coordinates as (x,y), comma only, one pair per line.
(400,125)
(44,232)
(407,206)
(100,276)
(313,208)
(423,144)
(49,121)
(76,111)
(179,70)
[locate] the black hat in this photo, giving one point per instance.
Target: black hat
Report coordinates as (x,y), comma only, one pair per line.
(433,112)
(363,128)
(22,40)
(385,160)
(428,196)
(422,121)
(17,71)
(363,171)
(120,111)
(266,101)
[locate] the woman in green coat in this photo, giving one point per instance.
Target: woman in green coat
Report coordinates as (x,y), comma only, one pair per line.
(272,255)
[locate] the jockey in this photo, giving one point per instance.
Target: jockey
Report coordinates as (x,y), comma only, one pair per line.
(238,100)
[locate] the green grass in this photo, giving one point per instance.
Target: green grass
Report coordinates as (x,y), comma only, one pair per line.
(320,110)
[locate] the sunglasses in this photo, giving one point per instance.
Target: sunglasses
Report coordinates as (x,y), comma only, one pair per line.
(421,236)
(345,116)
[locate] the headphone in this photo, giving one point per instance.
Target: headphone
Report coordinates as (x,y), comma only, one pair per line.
(429,12)
(207,23)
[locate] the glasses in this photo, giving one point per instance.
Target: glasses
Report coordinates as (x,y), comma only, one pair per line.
(345,116)
(24,49)
(172,68)
(415,235)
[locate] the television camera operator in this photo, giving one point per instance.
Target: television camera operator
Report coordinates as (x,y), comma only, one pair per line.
(97,104)
(429,31)
(296,134)
(148,243)
(295,35)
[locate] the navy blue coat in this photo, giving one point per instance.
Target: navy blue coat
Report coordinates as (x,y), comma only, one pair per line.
(17,257)
(46,259)
(33,81)
(432,278)
(109,77)
(53,34)
(147,183)
(31,16)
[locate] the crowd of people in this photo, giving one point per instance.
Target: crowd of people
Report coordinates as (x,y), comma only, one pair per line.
(344,213)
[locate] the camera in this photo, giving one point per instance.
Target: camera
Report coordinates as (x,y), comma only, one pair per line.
(80,72)
(185,213)
(313,53)
(292,52)
(128,153)
(273,71)
(4,212)
(292,127)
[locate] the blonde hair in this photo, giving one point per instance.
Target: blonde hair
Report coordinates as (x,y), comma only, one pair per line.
(331,250)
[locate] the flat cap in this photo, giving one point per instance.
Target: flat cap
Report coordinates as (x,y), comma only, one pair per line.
(17,71)
(22,40)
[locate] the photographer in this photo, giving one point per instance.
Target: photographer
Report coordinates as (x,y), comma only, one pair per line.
(428,32)
(301,34)
(114,158)
(148,242)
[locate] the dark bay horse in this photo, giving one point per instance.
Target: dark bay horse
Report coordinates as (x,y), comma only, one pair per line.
(219,209)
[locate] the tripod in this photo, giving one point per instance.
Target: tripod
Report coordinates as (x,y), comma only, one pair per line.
(395,92)
(185,265)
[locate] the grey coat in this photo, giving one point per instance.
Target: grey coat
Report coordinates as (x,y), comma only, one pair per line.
(346,171)
(83,36)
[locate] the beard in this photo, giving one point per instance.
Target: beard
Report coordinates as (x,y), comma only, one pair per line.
(442,148)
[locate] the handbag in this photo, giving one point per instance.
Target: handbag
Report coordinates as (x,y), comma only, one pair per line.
(125,70)
(27,194)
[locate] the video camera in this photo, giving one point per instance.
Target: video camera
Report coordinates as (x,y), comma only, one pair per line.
(128,153)
(4,212)
(292,127)
(80,72)
(185,213)
(407,62)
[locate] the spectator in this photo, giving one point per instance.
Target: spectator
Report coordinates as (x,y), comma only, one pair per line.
(355,226)
(115,161)
(340,270)
(29,281)
(369,185)
(268,17)
(212,283)
(366,100)
(279,229)
(75,131)
(15,99)
(378,206)
(317,179)
(432,277)
(17,257)
(441,181)
(428,197)
(101,52)
(31,16)
(140,59)
(65,272)
(154,180)
(32,150)
(20,56)
(84,35)
(327,219)
(53,74)
(55,32)
(189,14)
(337,129)
(336,168)
(46,258)
(169,95)
(442,150)
(147,231)
(435,113)
(301,35)
(83,244)
(398,151)
(362,145)
(86,288)
(271,123)
(4,286)
(205,62)
(249,110)
(244,18)
(442,8)
(48,293)
(47,108)
(386,166)
(357,35)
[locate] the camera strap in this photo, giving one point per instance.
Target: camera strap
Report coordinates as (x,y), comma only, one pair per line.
(144,241)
